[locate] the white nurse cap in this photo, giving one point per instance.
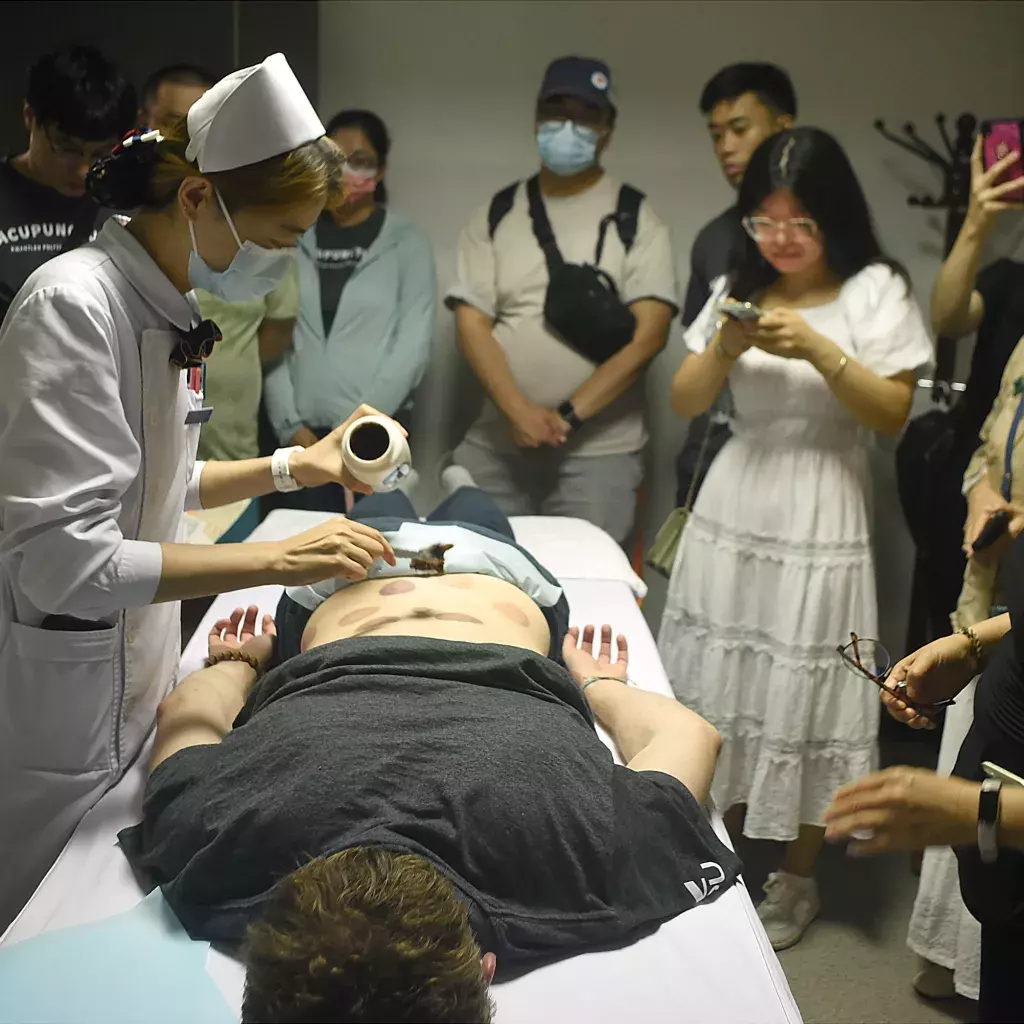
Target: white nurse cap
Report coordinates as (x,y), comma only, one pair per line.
(249,116)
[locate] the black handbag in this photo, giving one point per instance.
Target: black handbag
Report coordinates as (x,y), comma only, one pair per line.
(582,305)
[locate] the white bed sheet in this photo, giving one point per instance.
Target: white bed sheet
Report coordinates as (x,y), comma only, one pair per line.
(712,963)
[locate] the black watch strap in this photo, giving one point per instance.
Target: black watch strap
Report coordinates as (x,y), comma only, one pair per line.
(988,820)
(568,413)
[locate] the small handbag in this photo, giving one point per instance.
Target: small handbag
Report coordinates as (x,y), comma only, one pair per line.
(662,554)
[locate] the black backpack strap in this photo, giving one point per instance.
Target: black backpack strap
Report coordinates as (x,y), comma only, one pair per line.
(627,214)
(501,203)
(542,230)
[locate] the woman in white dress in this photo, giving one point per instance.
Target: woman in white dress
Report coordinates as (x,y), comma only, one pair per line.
(775,566)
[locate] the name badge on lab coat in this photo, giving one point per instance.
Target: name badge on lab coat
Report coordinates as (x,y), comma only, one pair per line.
(196,380)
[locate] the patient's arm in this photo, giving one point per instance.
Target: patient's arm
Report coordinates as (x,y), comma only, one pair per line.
(651,732)
(202,709)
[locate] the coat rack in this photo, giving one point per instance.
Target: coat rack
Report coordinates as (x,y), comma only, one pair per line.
(955,166)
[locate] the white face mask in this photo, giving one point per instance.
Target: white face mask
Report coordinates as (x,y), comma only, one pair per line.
(252,273)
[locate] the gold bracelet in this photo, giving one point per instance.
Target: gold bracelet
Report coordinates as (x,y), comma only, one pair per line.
(976,646)
(840,370)
(234,654)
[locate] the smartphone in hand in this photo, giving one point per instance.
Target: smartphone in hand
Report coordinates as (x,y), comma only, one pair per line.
(999,139)
(997,525)
(744,312)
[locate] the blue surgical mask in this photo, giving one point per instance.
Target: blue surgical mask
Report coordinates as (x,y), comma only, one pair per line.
(252,273)
(565,147)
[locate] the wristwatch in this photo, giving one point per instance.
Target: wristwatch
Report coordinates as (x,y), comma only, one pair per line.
(988,820)
(568,413)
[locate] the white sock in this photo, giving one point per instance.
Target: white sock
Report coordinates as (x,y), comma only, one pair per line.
(455,477)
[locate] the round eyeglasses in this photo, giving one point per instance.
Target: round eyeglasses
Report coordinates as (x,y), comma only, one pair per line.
(869,659)
(764,229)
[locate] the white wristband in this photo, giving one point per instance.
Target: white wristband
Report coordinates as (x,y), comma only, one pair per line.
(283,479)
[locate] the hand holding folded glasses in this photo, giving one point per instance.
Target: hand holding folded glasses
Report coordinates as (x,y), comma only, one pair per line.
(934,673)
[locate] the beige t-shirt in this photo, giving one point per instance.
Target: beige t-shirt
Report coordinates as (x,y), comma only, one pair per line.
(234,374)
(507,278)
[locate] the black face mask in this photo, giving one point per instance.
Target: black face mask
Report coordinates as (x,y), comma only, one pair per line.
(196,345)
(582,305)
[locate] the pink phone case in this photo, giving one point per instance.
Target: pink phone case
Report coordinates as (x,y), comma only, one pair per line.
(1000,139)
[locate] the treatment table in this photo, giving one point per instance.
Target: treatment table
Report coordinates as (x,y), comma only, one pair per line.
(712,963)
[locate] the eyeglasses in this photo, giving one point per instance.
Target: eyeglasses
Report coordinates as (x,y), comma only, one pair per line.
(868,658)
(764,229)
(72,151)
(362,163)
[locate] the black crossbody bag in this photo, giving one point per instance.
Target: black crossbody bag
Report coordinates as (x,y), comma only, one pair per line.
(582,305)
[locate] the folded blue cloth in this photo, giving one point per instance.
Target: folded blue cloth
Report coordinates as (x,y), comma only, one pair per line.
(137,966)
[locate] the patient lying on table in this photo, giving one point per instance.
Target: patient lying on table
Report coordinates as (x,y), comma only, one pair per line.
(421,782)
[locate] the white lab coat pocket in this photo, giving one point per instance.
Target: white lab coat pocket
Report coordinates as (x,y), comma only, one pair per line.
(61,687)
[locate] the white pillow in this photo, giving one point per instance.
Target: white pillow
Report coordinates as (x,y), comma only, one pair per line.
(573,549)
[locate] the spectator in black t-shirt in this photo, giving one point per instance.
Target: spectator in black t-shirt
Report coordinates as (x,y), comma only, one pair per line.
(743,104)
(990,303)
(169,92)
(77,106)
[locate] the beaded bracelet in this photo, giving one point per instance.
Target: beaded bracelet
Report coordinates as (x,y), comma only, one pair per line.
(234,654)
(976,646)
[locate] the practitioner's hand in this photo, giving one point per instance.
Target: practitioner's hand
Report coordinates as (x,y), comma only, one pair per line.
(339,547)
(904,809)
(938,671)
(304,437)
(239,633)
(321,463)
(593,657)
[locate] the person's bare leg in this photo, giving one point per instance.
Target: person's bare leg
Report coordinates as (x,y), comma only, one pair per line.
(802,852)
(733,819)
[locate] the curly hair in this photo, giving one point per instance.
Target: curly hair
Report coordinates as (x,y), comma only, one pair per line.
(364,935)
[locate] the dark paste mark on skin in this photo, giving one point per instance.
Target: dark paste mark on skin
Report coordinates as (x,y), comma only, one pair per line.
(373,624)
(513,612)
(432,559)
(458,617)
(356,615)
(396,587)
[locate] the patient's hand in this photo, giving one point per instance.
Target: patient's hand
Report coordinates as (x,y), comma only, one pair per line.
(592,658)
(239,633)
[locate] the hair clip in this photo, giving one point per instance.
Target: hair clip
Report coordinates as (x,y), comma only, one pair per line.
(196,345)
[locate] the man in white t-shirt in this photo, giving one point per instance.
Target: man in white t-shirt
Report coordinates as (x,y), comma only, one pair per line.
(561,433)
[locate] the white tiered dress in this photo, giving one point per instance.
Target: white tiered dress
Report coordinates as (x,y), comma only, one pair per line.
(775,566)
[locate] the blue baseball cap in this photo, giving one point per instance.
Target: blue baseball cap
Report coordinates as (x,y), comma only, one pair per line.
(582,78)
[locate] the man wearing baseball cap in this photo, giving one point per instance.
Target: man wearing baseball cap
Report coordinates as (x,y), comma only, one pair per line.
(563,427)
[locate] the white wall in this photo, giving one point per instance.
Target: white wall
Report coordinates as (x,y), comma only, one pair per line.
(456,81)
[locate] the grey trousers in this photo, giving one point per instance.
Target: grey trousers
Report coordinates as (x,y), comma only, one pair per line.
(545,481)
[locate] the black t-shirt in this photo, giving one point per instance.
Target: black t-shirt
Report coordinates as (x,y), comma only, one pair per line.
(994,893)
(36,224)
(338,252)
(1001,285)
(481,758)
(709,258)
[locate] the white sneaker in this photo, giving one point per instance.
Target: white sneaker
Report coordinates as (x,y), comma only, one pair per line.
(934,981)
(790,904)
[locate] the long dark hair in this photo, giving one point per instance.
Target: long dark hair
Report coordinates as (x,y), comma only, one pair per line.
(375,130)
(812,165)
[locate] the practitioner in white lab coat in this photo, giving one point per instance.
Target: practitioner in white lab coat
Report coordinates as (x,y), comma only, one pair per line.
(100,409)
